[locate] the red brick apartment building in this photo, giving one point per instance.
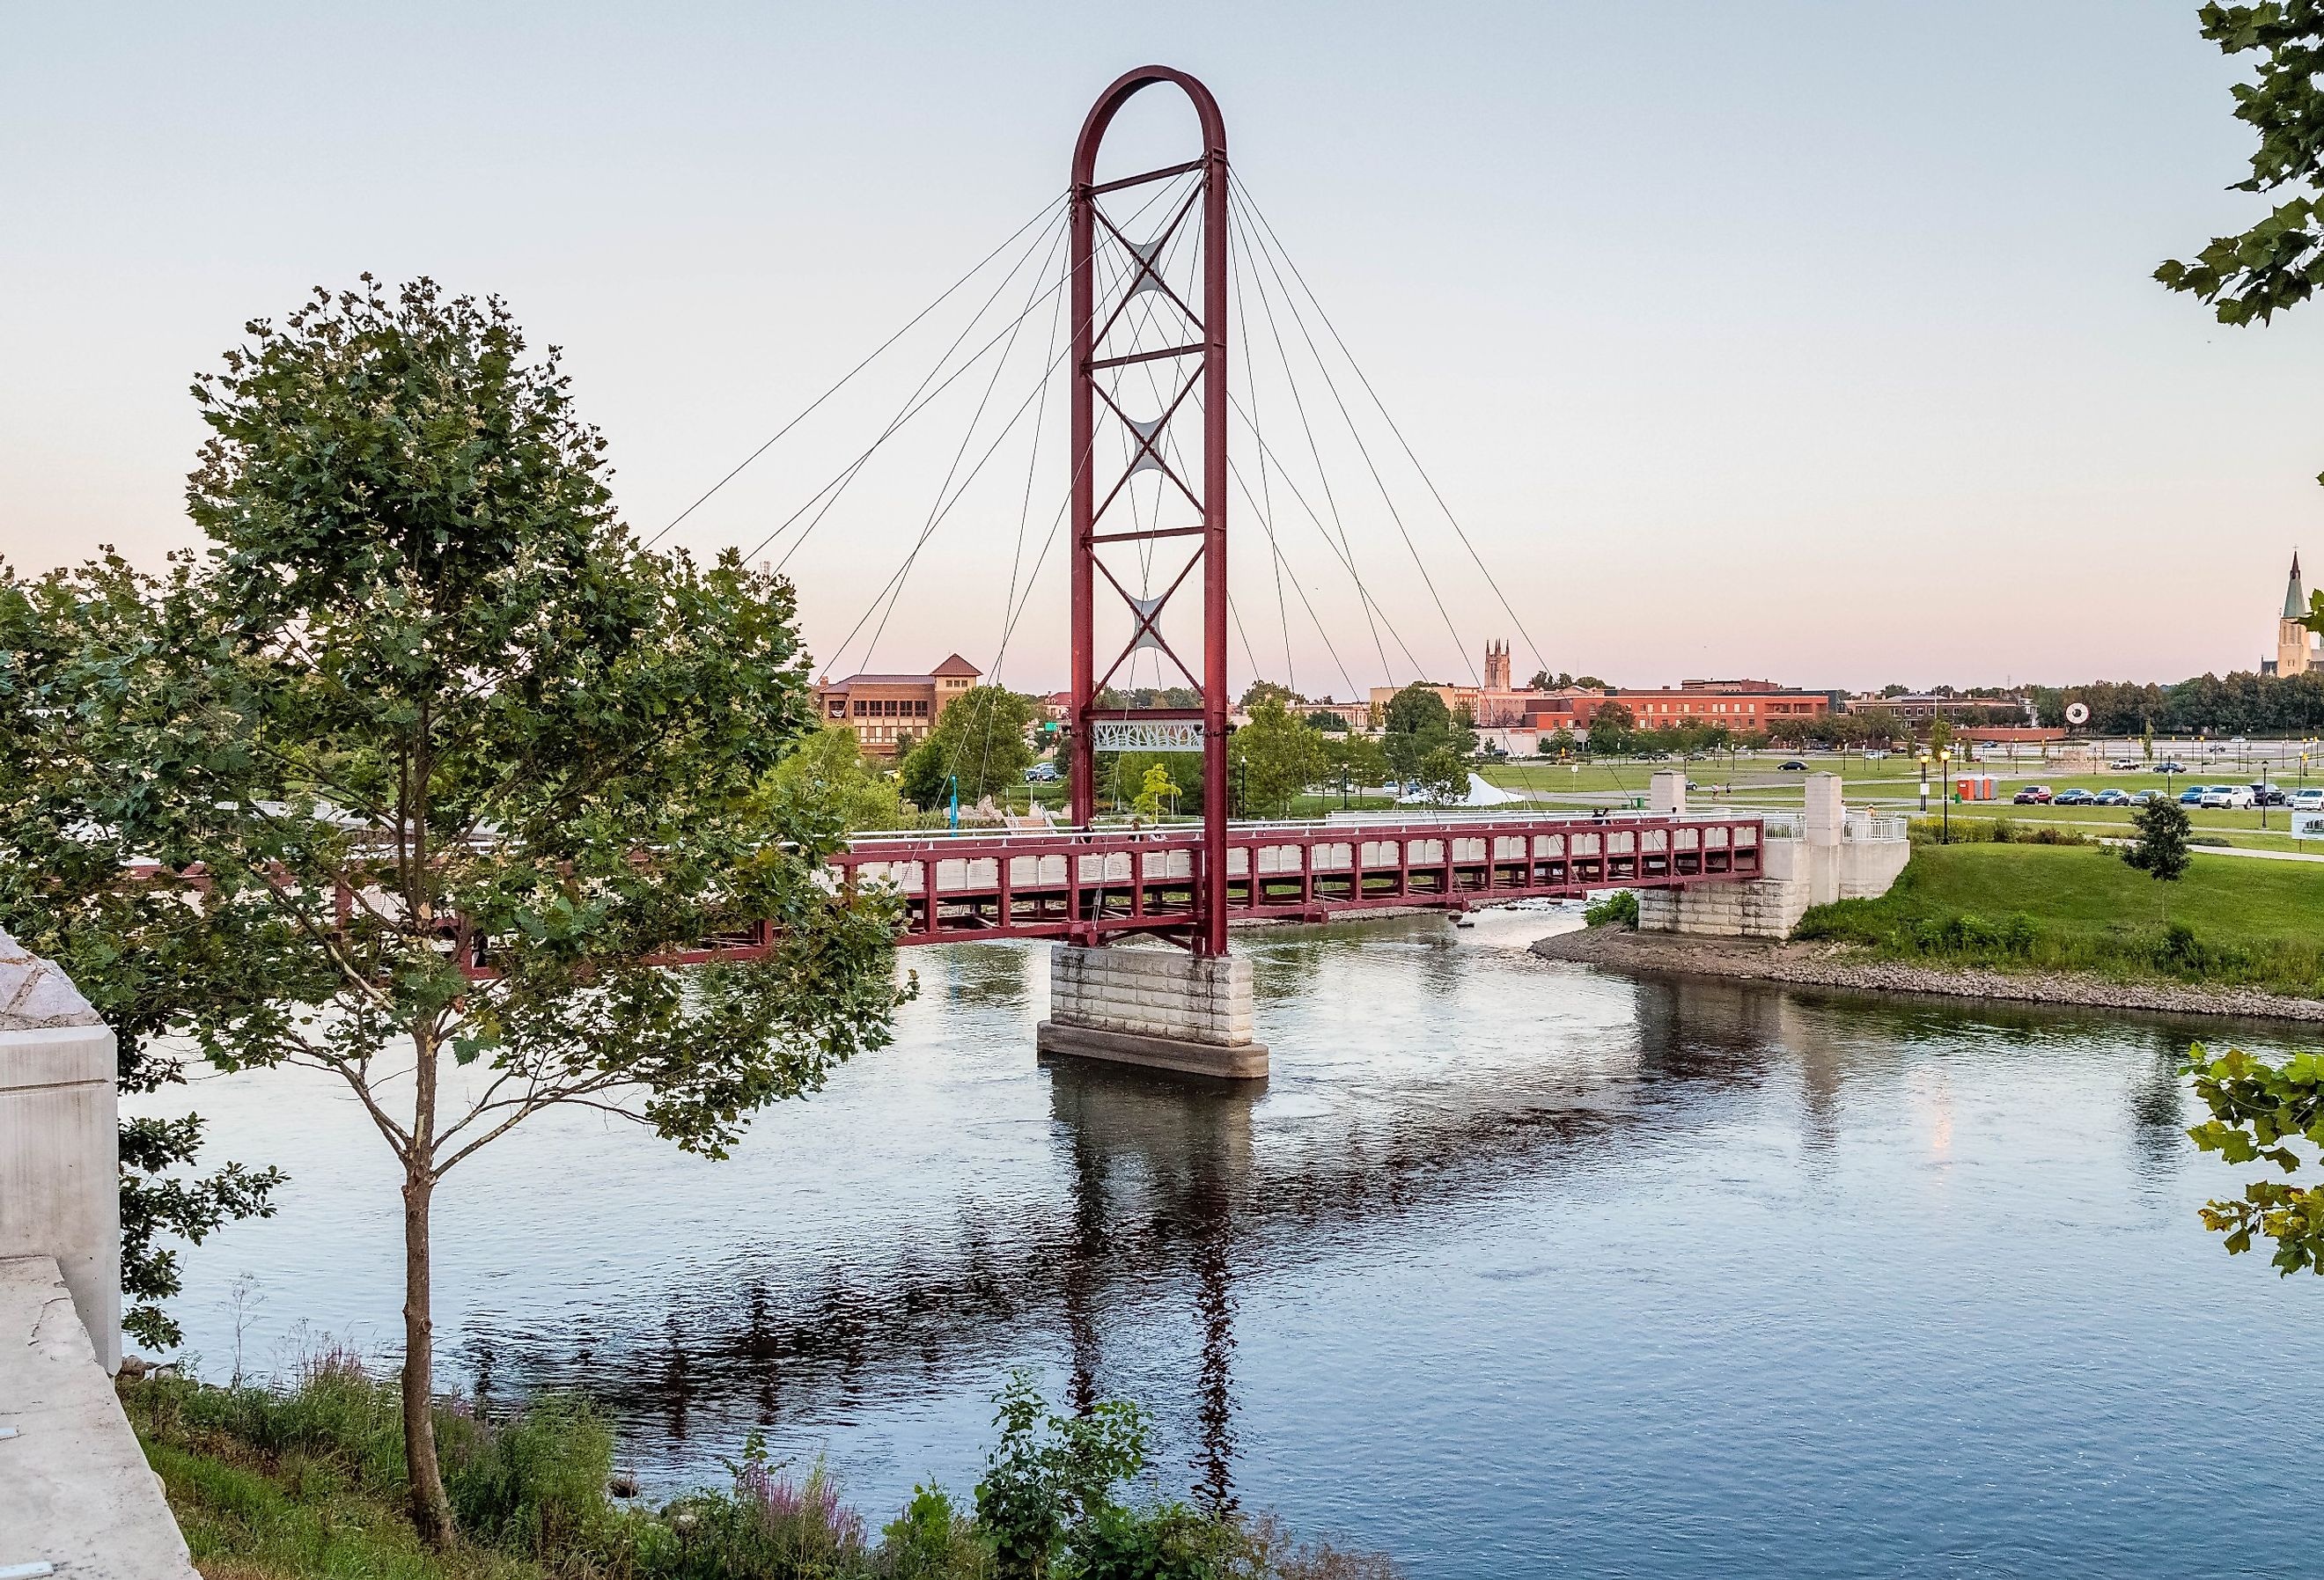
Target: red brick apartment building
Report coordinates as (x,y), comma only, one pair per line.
(887,713)
(1738,705)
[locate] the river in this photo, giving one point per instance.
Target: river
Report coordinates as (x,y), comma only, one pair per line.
(1512,1269)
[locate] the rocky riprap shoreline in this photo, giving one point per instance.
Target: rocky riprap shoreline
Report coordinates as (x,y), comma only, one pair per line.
(1837,966)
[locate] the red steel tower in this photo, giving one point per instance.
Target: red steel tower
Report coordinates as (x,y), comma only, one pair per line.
(1103,337)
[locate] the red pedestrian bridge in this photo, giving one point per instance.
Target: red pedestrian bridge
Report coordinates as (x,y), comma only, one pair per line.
(1084,885)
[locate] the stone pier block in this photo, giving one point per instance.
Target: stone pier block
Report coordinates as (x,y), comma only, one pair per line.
(1161,1009)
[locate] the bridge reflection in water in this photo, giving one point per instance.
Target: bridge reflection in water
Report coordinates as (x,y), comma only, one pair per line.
(1170,1202)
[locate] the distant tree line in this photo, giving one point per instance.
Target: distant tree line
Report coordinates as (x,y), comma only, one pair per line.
(2240,704)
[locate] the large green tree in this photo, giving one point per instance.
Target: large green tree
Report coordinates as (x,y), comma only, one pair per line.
(1278,755)
(449,767)
(1415,725)
(980,742)
(1611,728)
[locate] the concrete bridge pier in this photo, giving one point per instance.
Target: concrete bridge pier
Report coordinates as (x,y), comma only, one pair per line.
(1155,1009)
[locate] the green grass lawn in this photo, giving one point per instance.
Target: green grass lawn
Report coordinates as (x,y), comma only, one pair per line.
(2078,907)
(2240,829)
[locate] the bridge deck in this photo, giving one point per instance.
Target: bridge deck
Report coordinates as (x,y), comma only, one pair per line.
(1089,883)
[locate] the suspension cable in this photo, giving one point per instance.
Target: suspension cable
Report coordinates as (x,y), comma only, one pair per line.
(1330,383)
(809,409)
(1240,193)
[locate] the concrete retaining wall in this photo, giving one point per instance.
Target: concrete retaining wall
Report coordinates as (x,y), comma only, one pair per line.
(60,1192)
(1824,864)
(75,1490)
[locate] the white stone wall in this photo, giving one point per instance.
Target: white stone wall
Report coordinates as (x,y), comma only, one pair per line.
(1868,869)
(1152,993)
(59,1193)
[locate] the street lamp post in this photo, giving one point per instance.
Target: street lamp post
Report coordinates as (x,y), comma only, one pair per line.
(1945,794)
(1924,783)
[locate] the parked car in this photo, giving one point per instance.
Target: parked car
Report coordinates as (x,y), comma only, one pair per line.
(2140,797)
(1041,773)
(2228,797)
(2192,796)
(2307,800)
(2073,796)
(2268,794)
(2032,795)
(1794,766)
(2111,796)
(2124,765)
(2172,765)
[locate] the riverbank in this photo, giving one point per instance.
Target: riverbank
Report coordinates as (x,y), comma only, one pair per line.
(2050,922)
(1825,963)
(307,1482)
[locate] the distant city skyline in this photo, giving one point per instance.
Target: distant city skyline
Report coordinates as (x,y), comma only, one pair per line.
(1788,340)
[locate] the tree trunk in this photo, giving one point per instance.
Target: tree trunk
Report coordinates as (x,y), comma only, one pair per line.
(431,1510)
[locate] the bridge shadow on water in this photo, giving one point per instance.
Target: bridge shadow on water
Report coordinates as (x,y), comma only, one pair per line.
(1169,1201)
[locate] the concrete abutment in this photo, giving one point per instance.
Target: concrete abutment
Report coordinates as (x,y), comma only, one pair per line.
(1833,856)
(1158,1008)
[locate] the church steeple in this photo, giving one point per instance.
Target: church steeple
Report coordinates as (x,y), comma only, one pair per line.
(2295,644)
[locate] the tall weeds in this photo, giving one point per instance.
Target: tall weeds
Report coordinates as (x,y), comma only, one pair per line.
(308,1478)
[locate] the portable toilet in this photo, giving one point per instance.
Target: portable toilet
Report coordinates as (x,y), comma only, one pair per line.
(1977,787)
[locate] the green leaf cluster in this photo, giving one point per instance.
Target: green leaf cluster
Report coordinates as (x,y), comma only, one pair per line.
(2258,1110)
(826,790)
(1049,1483)
(2276,263)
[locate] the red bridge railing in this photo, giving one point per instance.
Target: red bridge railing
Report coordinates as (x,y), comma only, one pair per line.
(1091,884)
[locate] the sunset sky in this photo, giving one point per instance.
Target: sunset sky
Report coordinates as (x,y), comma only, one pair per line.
(1808,341)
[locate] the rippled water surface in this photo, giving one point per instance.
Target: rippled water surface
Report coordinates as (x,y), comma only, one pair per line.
(1512,1269)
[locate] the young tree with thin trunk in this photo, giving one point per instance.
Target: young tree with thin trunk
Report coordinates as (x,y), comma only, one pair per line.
(450,766)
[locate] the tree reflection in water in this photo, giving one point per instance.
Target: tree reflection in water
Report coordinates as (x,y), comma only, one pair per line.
(1173,1195)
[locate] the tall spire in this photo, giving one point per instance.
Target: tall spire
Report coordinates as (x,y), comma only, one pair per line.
(2295,602)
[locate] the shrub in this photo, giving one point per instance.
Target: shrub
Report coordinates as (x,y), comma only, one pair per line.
(1619,909)
(534,1483)
(1973,830)
(772,1526)
(1166,1542)
(1050,1471)
(931,1539)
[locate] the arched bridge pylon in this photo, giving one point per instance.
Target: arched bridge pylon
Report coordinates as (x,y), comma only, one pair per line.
(1191,515)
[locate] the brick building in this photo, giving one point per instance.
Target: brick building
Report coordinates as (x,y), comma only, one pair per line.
(1735,705)
(887,713)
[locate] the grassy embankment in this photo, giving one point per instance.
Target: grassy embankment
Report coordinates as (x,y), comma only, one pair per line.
(2023,907)
(307,1482)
